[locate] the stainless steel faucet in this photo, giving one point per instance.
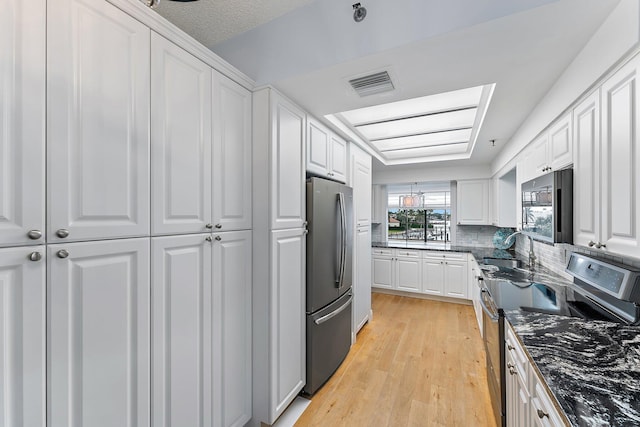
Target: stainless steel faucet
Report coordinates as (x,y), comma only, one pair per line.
(532,255)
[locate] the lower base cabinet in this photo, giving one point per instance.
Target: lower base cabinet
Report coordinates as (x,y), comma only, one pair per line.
(201,329)
(22,336)
(98,343)
(528,403)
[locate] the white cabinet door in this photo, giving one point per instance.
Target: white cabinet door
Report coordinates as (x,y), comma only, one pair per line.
(433,276)
(620,161)
(231,155)
(97,122)
(232,328)
(362,279)
(538,156)
(361,183)
(288,334)
(182,330)
(473,202)
(561,143)
(408,277)
(180,140)
(318,148)
(383,272)
(22,121)
(456,276)
(338,159)
(287,165)
(22,336)
(586,181)
(98,333)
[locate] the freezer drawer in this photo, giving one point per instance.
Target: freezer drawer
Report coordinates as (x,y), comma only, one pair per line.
(328,341)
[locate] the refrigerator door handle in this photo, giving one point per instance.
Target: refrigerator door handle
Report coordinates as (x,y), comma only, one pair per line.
(343,240)
(334,313)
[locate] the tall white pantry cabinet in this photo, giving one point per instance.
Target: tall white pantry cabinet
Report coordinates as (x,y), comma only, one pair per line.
(132,306)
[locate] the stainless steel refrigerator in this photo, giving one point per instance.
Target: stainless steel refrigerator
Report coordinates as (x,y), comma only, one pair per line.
(329,279)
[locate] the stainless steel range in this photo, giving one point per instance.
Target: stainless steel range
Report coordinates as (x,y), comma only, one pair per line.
(601,290)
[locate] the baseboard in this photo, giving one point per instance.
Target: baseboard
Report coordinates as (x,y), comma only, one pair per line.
(421,296)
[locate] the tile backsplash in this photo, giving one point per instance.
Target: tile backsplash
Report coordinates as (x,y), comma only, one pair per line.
(475,235)
(378,233)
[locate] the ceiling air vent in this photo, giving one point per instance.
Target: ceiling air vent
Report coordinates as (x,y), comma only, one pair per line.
(374,83)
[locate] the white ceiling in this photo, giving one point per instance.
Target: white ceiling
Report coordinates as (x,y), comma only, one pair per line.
(214,21)
(428,47)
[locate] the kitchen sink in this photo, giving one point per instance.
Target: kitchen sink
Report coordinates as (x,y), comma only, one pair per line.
(500,262)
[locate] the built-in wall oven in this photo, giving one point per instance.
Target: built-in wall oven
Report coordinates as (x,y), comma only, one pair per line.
(601,290)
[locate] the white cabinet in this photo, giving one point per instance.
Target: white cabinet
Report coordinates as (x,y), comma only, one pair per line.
(279,243)
(383,268)
(98,100)
(408,271)
(552,150)
(22,336)
(620,179)
(586,169)
(445,274)
(360,180)
(326,152)
(180,140)
(98,333)
(473,202)
(379,205)
(232,329)
(528,402)
(22,122)
(182,329)
(362,277)
(231,155)
(504,195)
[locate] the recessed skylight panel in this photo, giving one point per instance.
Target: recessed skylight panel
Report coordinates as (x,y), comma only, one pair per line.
(436,150)
(452,120)
(416,106)
(430,139)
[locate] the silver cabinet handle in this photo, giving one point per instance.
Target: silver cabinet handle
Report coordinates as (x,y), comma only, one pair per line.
(208,238)
(209,226)
(510,347)
(541,413)
(62,233)
(218,238)
(591,243)
(63,253)
(34,234)
(600,245)
(218,226)
(35,256)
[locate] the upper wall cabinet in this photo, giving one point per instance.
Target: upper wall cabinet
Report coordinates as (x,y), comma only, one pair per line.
(231,155)
(97,122)
(22,121)
(361,182)
(552,150)
(180,140)
(326,152)
(473,202)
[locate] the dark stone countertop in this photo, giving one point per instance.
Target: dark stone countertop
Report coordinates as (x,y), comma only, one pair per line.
(591,367)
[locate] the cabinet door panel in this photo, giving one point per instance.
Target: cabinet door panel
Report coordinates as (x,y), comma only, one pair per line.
(288,365)
(456,279)
(361,183)
(232,328)
(586,183)
(539,156)
(22,337)
(181,140)
(182,328)
(473,202)
(318,149)
(231,155)
(98,121)
(287,165)
(22,121)
(408,273)
(338,159)
(98,334)
(433,277)
(362,280)
(383,272)
(621,157)
(561,143)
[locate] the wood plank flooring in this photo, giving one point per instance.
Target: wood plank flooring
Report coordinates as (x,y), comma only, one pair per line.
(418,363)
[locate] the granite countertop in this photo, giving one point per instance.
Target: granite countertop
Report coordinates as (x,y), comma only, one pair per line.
(591,367)
(478,252)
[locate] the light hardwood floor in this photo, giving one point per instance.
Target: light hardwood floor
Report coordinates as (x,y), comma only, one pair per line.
(418,363)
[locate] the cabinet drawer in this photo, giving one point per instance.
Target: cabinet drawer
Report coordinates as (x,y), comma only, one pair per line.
(407,253)
(512,347)
(543,410)
(382,251)
(445,255)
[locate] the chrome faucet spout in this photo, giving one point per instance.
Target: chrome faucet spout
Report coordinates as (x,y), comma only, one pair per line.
(532,255)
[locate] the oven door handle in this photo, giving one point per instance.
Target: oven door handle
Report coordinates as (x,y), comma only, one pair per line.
(493,316)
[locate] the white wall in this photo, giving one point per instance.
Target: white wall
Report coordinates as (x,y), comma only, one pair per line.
(618,36)
(428,172)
